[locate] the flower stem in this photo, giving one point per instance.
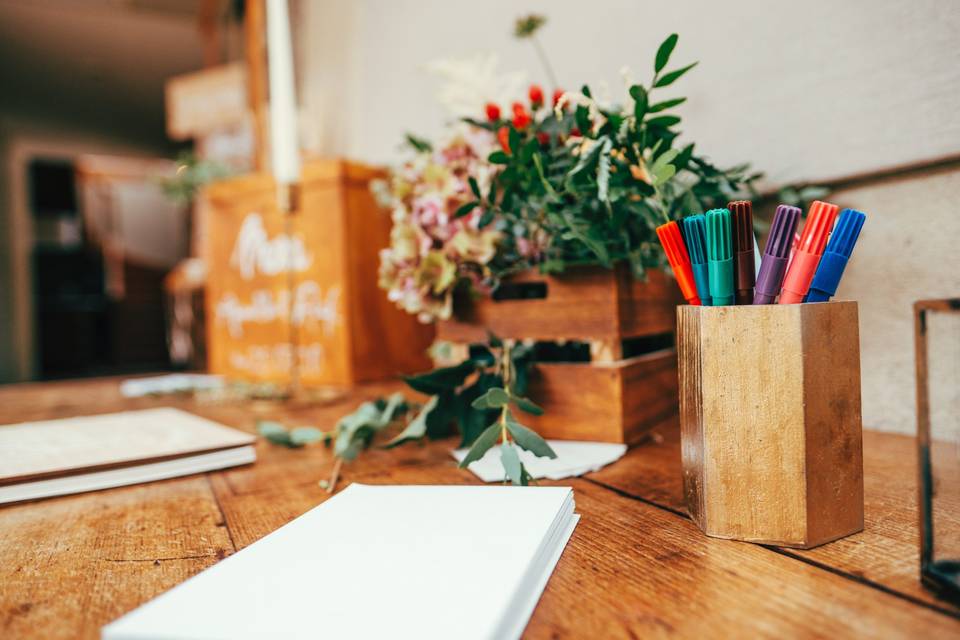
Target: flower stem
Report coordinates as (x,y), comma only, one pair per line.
(545,62)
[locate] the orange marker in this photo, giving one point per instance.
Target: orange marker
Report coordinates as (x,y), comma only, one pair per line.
(676,251)
(805,259)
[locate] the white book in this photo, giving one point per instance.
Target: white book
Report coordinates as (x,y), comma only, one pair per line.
(378,562)
(71,455)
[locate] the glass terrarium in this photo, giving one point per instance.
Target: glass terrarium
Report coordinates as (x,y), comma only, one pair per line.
(937,329)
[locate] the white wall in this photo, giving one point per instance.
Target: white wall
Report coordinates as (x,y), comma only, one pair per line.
(804,90)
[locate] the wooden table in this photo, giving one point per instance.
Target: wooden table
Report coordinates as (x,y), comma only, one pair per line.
(636,566)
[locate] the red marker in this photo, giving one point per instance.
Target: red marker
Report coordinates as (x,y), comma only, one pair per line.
(805,259)
(676,251)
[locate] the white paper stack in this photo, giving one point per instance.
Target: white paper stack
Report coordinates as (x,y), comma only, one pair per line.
(378,562)
(574,458)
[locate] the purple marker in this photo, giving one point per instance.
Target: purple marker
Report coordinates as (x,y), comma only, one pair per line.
(776,255)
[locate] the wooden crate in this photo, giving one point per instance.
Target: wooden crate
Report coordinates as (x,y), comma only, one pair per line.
(616,396)
(770,421)
(345,329)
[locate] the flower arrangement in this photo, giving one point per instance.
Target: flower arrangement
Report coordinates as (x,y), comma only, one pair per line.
(546,184)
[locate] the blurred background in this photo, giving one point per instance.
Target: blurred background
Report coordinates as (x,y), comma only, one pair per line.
(111,111)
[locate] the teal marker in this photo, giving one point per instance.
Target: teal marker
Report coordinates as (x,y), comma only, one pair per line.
(695,232)
(720,257)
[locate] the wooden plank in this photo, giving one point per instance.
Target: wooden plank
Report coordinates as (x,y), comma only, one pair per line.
(884,554)
(633,568)
(70,565)
(604,402)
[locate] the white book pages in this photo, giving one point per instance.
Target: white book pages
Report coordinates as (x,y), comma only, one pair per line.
(378,562)
(123,476)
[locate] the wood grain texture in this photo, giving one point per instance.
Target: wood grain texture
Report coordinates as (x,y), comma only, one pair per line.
(773,453)
(604,402)
(583,303)
(634,567)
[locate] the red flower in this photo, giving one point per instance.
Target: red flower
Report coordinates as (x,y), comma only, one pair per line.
(521,117)
(493,112)
(536,96)
(503,135)
(543,138)
(575,132)
(557,94)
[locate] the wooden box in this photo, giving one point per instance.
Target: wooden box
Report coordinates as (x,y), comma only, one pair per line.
(618,393)
(770,421)
(342,329)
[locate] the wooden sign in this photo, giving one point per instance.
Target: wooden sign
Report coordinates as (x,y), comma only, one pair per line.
(205,101)
(305,282)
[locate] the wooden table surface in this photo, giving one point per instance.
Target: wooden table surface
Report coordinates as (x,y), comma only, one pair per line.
(636,566)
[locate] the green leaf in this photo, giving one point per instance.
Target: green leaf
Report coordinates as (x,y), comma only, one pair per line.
(419,144)
(417,427)
(603,171)
(466,208)
(305,435)
(493,399)
(394,405)
(474,187)
(498,157)
(529,439)
(663,53)
(486,440)
(512,466)
(524,404)
(663,121)
(671,77)
(666,104)
(485,219)
(640,101)
(513,137)
(267,427)
(474,421)
(590,157)
(442,379)
(443,416)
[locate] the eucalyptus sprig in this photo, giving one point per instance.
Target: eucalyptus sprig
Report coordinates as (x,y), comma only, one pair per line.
(506,429)
(473,397)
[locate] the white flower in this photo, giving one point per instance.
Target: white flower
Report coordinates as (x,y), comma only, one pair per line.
(470,83)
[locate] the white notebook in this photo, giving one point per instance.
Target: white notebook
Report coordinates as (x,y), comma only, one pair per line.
(58,457)
(378,562)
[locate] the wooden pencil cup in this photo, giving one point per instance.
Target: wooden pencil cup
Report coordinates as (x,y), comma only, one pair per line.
(770,421)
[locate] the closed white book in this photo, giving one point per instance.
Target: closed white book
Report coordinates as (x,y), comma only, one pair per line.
(378,562)
(71,455)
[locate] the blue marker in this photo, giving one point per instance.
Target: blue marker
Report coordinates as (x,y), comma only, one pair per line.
(835,256)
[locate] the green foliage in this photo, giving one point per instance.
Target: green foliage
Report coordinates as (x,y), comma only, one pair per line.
(352,433)
(511,366)
(473,397)
(293,438)
(192,174)
(589,183)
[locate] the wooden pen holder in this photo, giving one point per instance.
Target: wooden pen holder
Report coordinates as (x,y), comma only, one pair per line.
(770,421)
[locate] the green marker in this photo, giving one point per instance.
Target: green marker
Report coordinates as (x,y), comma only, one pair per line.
(720,256)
